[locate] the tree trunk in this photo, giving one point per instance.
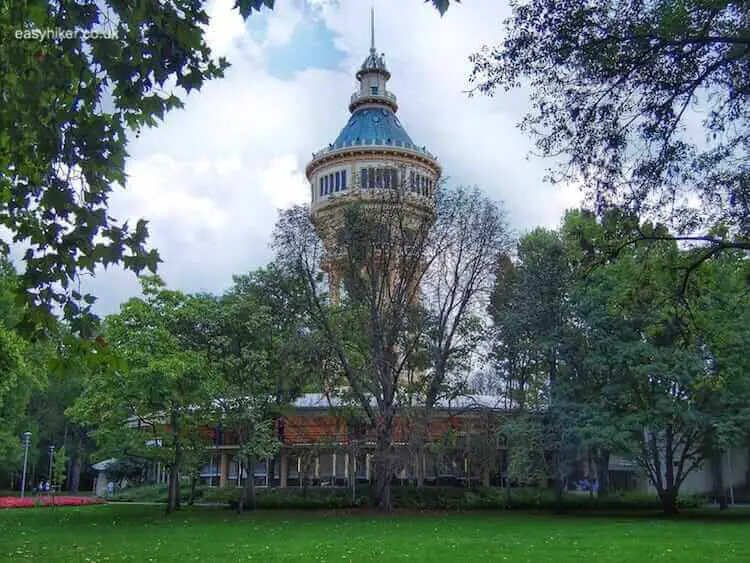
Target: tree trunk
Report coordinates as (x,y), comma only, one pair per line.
(384,463)
(559,486)
(602,472)
(422,429)
(193,483)
(173,490)
(420,468)
(247,496)
(717,474)
(505,469)
(74,474)
(270,471)
(668,499)
(173,495)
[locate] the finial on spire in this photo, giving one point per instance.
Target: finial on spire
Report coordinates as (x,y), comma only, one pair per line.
(372,30)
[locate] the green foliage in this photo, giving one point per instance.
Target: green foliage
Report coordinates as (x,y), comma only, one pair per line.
(59,467)
(603,353)
(127,468)
(153,394)
(255,348)
(444,498)
(156,493)
(646,102)
(644,379)
(23,367)
(69,103)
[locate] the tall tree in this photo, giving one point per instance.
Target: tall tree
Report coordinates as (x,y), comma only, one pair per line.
(256,350)
(647,383)
(647,102)
(378,328)
(23,366)
(470,231)
(154,396)
(530,313)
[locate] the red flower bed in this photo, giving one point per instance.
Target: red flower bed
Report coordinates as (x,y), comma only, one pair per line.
(47,500)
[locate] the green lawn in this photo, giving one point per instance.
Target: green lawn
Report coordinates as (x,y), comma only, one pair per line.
(142,533)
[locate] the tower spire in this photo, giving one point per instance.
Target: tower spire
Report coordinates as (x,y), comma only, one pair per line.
(372,30)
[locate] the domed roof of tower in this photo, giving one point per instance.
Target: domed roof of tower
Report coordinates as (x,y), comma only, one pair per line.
(374,126)
(373,120)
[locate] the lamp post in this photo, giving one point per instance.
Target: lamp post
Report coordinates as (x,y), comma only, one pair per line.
(51,457)
(26,442)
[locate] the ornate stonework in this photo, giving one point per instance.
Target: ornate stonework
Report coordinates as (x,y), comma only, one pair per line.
(372,160)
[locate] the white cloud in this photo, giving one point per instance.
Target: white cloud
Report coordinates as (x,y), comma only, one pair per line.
(226,29)
(211,177)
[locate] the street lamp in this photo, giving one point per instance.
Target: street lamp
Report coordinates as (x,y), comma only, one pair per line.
(26,442)
(51,457)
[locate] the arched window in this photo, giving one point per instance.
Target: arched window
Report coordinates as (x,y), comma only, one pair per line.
(338,181)
(371,178)
(378,177)
(363,178)
(343,180)
(321,187)
(412,181)
(325,185)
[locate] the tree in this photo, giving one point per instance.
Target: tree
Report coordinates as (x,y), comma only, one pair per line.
(470,232)
(152,394)
(529,308)
(379,328)
(368,330)
(648,385)
(254,347)
(59,468)
(646,102)
(23,368)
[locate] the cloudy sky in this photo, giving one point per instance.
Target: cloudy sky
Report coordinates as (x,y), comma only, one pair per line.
(211,178)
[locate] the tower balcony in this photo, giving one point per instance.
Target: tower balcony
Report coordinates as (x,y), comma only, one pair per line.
(358,99)
(374,143)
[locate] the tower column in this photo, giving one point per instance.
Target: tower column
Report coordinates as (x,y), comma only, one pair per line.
(334,283)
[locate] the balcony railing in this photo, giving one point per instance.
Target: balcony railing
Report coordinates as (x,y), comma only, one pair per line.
(371,143)
(387,96)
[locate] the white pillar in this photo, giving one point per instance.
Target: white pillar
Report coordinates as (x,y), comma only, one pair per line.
(367,466)
(346,466)
(334,468)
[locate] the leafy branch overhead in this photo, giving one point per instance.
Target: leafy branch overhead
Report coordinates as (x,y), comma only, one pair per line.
(646,105)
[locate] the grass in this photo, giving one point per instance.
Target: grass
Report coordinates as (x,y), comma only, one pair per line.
(143,533)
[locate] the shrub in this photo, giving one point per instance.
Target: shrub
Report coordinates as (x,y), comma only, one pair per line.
(412,498)
(154,493)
